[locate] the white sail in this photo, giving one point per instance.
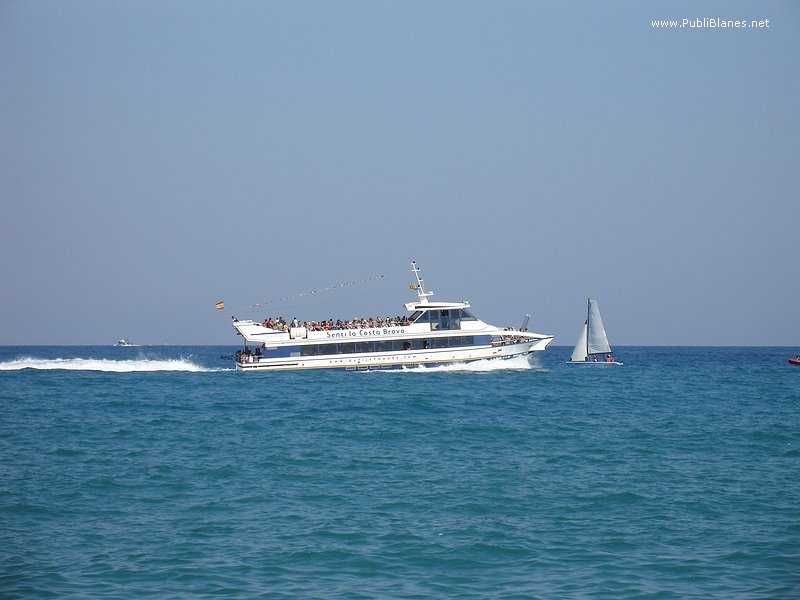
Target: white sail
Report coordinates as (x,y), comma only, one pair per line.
(579,353)
(597,342)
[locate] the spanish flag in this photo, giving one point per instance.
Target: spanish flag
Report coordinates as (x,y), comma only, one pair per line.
(220,305)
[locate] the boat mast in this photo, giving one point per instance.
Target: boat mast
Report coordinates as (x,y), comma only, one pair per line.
(423,295)
(588,315)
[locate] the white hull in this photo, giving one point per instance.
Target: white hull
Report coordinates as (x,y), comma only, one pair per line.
(584,363)
(395,360)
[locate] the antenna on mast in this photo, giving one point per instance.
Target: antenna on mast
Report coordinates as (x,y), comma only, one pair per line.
(423,295)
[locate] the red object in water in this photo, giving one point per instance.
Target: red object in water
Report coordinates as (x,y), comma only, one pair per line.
(795,361)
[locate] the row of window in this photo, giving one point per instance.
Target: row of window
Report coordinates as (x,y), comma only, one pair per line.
(443,319)
(386,345)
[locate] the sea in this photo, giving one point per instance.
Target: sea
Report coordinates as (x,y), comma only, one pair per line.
(161,472)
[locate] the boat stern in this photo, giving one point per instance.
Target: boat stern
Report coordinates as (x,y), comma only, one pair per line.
(250,330)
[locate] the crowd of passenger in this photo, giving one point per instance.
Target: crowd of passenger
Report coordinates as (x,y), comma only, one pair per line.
(280,324)
(245,356)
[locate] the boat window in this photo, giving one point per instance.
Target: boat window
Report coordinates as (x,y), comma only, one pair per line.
(444,319)
(389,345)
(417,314)
(440,342)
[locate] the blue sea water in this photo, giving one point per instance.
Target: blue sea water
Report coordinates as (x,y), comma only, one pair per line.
(161,472)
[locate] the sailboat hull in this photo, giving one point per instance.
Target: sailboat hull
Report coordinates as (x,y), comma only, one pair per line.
(600,363)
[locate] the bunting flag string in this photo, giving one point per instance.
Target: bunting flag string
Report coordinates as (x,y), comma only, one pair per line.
(319,291)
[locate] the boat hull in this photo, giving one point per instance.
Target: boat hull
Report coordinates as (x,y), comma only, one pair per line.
(601,363)
(397,360)
(794,361)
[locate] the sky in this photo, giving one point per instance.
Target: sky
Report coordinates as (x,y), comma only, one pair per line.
(157,157)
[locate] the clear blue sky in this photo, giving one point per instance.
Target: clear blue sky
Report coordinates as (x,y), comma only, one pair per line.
(156,157)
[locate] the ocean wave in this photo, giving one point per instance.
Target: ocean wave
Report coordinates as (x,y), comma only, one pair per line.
(102,364)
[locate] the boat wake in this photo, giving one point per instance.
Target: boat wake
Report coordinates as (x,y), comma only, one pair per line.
(104,365)
(517,363)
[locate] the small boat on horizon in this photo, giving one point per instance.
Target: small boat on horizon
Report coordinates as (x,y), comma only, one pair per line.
(592,340)
(124,342)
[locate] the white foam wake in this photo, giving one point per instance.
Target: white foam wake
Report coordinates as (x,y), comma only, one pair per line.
(517,363)
(100,364)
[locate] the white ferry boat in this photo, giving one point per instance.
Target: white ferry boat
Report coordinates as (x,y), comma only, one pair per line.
(435,333)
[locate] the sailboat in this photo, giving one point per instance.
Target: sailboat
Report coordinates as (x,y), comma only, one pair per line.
(592,341)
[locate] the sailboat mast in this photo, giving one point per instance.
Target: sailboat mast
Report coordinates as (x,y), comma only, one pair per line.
(588,315)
